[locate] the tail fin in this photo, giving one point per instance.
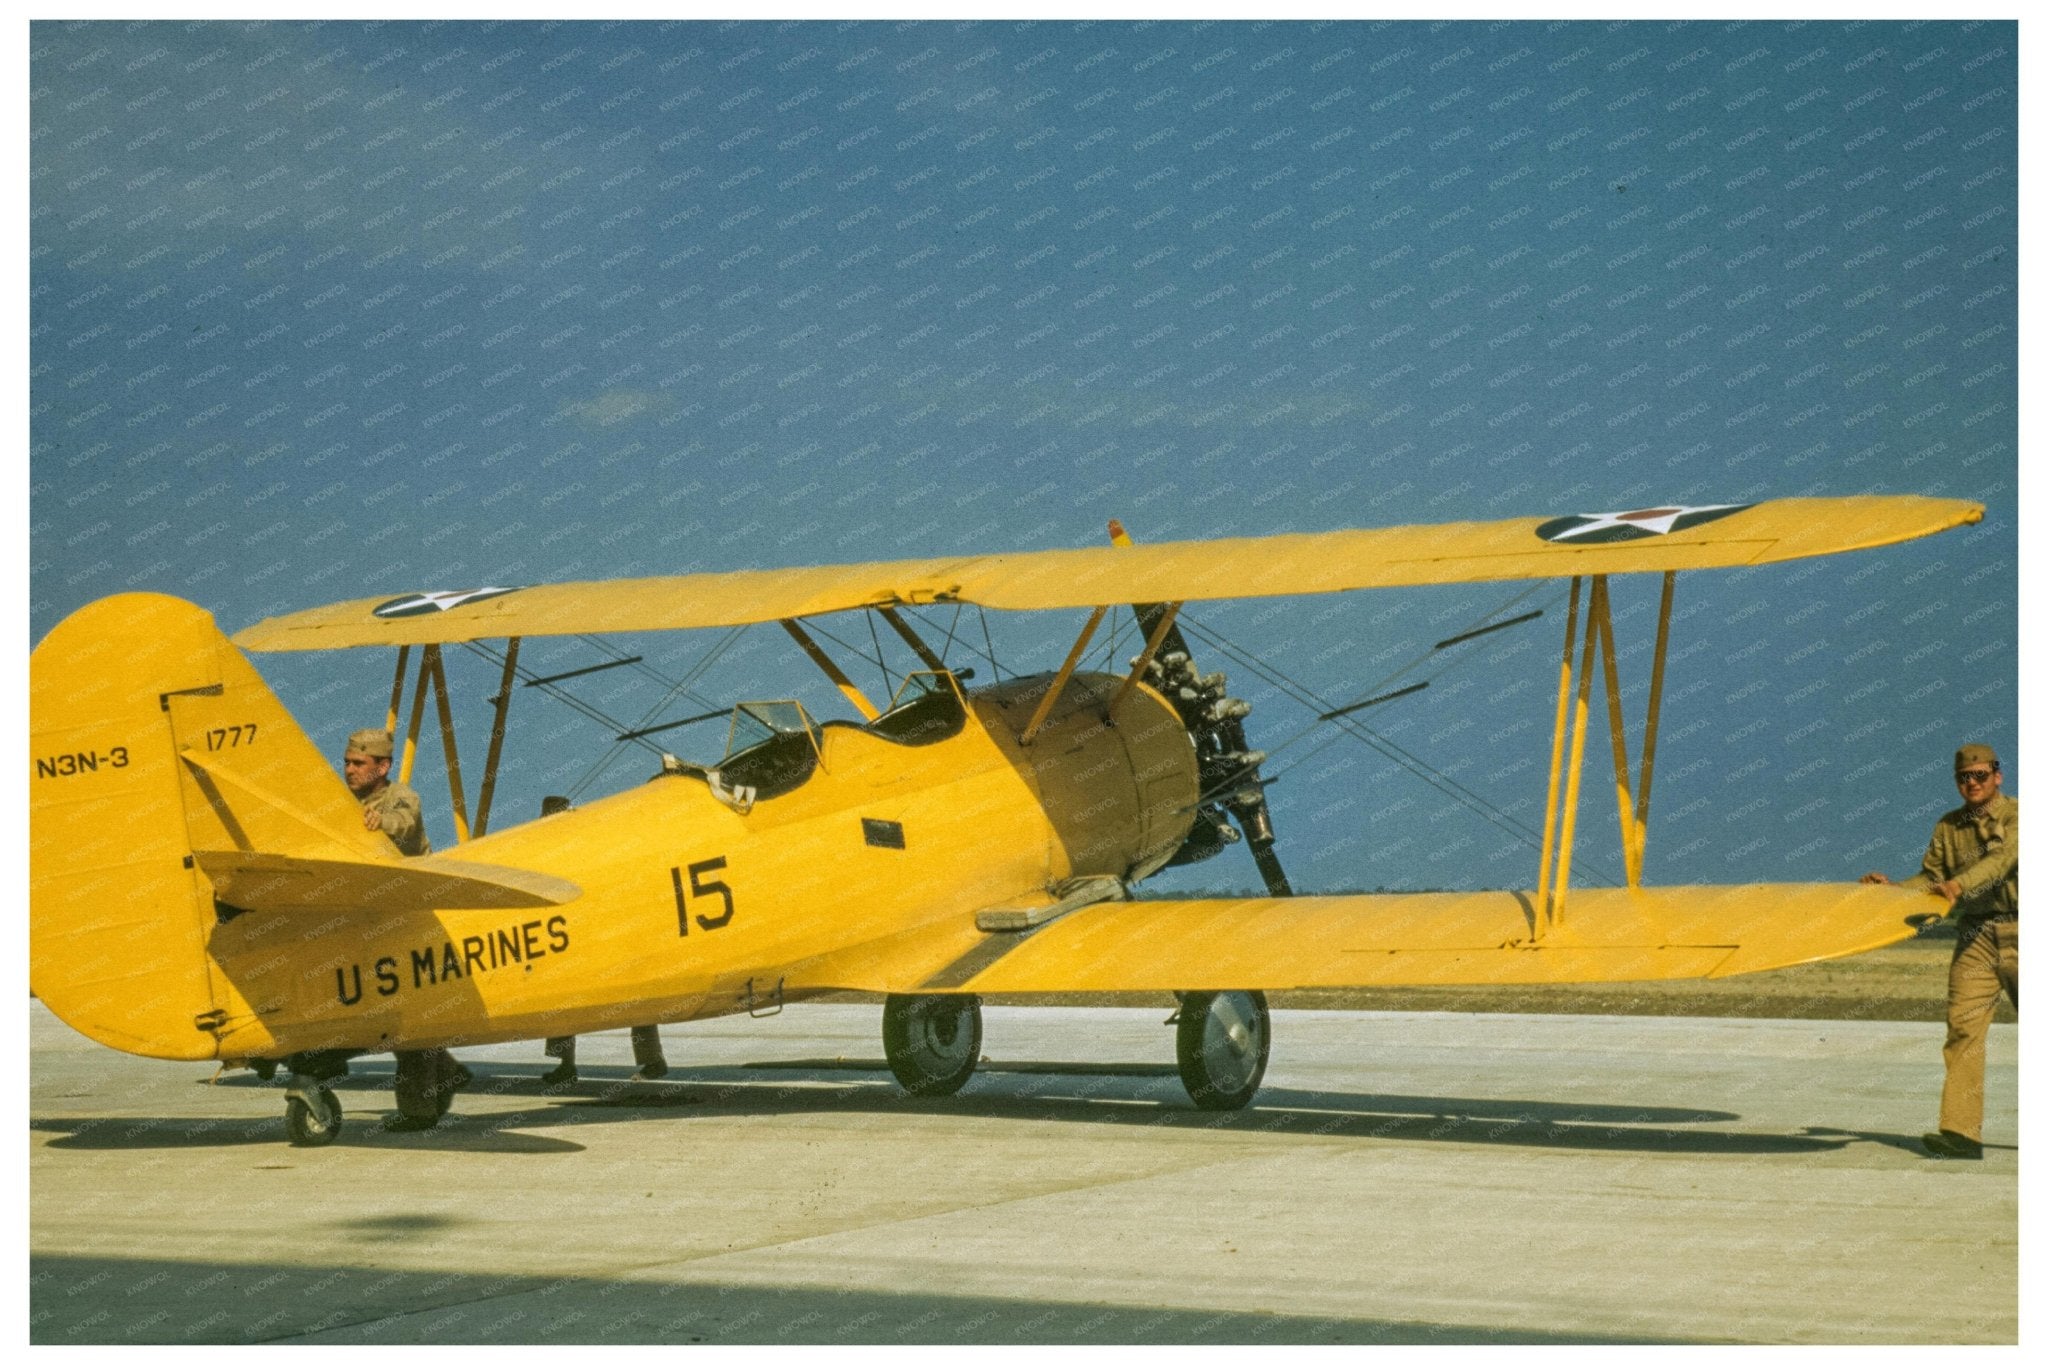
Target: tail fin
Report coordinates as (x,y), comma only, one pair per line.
(151,736)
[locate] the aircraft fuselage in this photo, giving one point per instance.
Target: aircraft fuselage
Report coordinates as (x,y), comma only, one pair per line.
(694,905)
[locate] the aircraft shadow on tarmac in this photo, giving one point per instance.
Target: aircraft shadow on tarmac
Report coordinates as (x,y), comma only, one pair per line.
(361,1130)
(1121,1094)
(137,1301)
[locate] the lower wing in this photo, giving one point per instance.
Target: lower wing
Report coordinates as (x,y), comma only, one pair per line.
(1431,939)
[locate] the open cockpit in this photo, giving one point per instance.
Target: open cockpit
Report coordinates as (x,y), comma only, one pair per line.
(773,747)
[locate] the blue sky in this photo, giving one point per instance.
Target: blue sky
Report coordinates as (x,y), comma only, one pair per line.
(325,310)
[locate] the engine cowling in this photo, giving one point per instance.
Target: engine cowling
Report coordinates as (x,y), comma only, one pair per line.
(1119,791)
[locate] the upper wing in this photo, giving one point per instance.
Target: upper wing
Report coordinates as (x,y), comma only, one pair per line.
(1430,939)
(1642,541)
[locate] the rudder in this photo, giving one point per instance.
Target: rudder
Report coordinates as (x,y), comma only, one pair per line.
(152,736)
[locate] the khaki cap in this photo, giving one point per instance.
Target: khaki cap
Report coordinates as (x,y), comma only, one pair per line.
(1971,755)
(377,743)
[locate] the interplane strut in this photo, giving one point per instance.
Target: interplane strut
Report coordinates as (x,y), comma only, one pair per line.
(1574,696)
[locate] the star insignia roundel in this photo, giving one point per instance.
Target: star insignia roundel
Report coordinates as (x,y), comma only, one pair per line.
(422,603)
(1608,528)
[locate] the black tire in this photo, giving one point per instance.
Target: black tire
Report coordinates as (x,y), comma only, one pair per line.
(1222,1044)
(313,1125)
(449,1077)
(422,1087)
(933,1042)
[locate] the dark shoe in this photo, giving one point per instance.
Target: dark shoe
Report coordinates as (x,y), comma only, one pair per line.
(461,1079)
(565,1074)
(1953,1146)
(653,1071)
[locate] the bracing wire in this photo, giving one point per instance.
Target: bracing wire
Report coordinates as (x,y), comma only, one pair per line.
(1404,670)
(811,624)
(888,678)
(954,625)
(1301,692)
(604,646)
(1372,739)
(998,668)
(1381,744)
(1120,625)
(569,699)
(952,634)
(599,716)
(680,687)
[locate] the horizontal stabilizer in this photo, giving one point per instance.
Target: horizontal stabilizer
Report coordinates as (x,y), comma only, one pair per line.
(271,881)
(251,813)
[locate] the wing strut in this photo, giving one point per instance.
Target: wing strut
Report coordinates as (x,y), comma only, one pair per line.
(1632,806)
(911,638)
(831,670)
(432,674)
(455,797)
(1564,692)
(419,705)
(499,705)
(1138,664)
(397,691)
(1642,825)
(1059,682)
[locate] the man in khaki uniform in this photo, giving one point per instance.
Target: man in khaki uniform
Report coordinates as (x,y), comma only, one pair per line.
(392,807)
(389,806)
(1973,863)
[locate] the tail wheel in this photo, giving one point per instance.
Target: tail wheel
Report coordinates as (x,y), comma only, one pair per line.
(1223,1042)
(932,1041)
(314,1121)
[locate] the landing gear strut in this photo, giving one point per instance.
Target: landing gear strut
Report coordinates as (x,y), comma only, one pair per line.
(932,1041)
(1222,1044)
(312,1113)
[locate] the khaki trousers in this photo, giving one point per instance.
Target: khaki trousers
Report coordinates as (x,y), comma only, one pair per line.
(1987,959)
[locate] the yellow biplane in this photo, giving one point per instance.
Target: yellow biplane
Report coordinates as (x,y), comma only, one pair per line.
(203,887)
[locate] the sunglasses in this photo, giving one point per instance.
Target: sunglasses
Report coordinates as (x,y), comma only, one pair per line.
(1974,775)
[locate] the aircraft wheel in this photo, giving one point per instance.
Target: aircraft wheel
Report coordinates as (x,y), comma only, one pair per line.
(932,1041)
(315,1123)
(1223,1042)
(423,1087)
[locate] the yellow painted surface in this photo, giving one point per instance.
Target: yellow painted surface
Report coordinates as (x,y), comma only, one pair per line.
(274,882)
(678,904)
(164,774)
(118,918)
(1329,561)
(1439,939)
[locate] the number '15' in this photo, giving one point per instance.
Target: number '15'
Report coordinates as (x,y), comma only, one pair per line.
(700,886)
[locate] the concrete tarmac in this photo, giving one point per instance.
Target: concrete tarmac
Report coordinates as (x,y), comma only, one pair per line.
(1401,1178)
